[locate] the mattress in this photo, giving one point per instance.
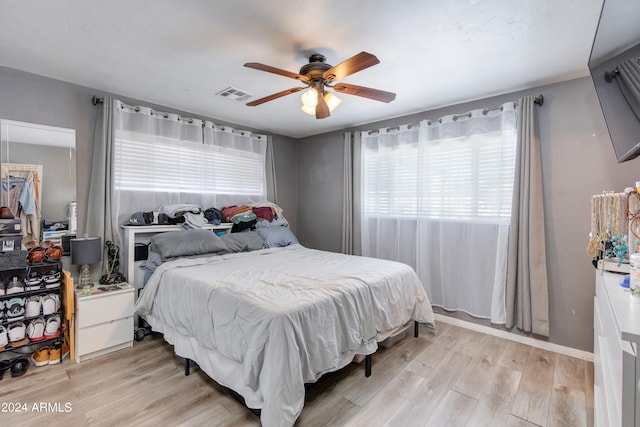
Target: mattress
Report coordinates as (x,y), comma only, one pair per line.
(265,322)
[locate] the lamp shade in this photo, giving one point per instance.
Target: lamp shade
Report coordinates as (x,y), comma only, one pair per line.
(310,100)
(86,250)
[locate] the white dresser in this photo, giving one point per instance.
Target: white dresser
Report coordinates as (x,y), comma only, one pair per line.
(104,322)
(615,347)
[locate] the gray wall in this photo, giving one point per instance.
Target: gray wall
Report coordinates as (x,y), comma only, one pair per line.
(30,98)
(577,160)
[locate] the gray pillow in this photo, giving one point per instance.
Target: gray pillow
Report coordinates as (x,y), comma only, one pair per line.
(243,242)
(277,236)
(187,242)
(153,261)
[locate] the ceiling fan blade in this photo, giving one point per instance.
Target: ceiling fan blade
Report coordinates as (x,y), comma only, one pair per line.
(322,109)
(365,92)
(352,65)
(274,70)
(274,96)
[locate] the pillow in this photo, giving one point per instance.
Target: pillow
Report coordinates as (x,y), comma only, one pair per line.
(277,236)
(187,242)
(153,261)
(243,242)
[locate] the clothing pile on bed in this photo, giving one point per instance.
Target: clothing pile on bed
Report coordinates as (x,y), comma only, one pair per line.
(256,226)
(244,217)
(255,215)
(181,213)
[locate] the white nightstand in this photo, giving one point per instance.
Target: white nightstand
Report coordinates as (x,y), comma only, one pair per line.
(104,322)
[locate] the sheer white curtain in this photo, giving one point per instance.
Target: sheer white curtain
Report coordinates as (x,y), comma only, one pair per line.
(438,197)
(238,174)
(162,158)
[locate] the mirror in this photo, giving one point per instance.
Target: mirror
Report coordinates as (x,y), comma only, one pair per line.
(617,44)
(46,154)
(617,31)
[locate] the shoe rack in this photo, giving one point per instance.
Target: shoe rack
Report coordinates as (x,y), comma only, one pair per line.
(31,301)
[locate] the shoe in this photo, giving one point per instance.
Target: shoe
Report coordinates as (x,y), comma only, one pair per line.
(4,340)
(33,306)
(15,287)
(54,253)
(57,353)
(16,331)
(33,283)
(3,288)
(19,367)
(51,280)
(15,309)
(35,330)
(52,328)
(40,357)
(50,304)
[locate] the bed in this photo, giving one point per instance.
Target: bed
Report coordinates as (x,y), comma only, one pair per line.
(265,322)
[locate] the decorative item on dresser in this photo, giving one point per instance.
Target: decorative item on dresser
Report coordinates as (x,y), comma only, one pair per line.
(113,274)
(86,251)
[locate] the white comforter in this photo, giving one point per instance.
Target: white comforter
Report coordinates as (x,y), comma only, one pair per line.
(281,317)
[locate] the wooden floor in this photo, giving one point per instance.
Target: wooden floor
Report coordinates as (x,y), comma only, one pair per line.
(456,377)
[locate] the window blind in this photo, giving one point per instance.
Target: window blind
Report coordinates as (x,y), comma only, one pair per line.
(168,165)
(467,178)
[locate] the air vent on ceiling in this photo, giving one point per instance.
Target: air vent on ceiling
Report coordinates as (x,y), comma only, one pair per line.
(235,94)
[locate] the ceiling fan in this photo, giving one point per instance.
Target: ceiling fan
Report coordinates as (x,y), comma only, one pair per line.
(317,75)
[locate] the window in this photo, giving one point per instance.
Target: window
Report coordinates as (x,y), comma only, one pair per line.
(440,193)
(467,178)
(158,164)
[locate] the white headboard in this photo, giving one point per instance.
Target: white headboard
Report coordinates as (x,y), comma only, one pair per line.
(132,234)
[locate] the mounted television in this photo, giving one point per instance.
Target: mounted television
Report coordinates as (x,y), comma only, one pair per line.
(615,59)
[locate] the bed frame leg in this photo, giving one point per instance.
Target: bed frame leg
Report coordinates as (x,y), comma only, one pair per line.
(415,329)
(187,366)
(367,365)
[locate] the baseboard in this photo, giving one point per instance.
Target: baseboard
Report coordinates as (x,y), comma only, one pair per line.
(544,345)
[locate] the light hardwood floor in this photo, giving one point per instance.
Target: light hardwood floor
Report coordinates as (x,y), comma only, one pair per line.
(456,377)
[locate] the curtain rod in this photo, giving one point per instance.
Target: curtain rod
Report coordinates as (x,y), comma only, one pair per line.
(538,100)
(99,100)
(610,75)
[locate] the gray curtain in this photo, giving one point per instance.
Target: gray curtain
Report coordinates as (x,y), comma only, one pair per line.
(272,189)
(629,83)
(351,233)
(527,287)
(99,221)
(347,196)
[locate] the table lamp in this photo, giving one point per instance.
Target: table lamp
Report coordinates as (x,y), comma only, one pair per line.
(85,251)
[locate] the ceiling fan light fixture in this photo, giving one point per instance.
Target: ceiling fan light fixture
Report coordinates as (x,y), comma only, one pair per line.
(310,100)
(309,110)
(317,75)
(332,101)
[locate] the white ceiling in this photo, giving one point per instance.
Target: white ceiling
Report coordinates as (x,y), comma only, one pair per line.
(181,53)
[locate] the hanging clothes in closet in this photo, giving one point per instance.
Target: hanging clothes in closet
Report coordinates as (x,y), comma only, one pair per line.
(21,192)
